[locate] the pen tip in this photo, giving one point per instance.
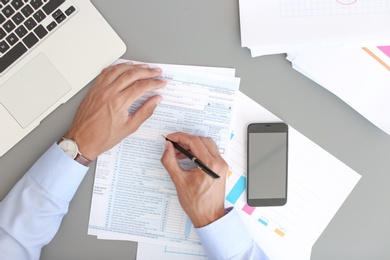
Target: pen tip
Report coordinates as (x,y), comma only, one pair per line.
(164,137)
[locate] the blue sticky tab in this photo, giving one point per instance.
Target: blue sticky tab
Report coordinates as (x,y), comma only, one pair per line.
(237,190)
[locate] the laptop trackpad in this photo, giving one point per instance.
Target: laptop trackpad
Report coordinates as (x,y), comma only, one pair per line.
(32,90)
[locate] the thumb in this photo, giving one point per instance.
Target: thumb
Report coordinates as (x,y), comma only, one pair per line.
(170,162)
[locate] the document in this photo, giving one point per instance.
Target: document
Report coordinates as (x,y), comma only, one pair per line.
(150,251)
(358,76)
(318,184)
(282,26)
(133,196)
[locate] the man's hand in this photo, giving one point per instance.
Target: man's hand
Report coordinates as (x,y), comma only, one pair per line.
(102,119)
(201,196)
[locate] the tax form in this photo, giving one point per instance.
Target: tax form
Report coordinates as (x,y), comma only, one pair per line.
(133,195)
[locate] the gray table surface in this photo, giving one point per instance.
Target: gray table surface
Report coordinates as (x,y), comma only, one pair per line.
(205,32)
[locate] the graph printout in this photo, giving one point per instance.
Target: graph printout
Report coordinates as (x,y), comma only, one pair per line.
(318,184)
(300,8)
(293,25)
(133,195)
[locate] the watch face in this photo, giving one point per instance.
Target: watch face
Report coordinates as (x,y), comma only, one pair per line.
(70,147)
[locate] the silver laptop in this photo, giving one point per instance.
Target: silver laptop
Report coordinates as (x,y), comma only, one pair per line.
(49,50)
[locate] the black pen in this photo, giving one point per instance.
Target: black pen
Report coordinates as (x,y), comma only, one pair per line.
(198,163)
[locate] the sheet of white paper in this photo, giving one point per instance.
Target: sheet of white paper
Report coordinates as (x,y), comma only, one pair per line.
(275,49)
(150,251)
(359,76)
(133,196)
(147,251)
(211,70)
(314,22)
(318,184)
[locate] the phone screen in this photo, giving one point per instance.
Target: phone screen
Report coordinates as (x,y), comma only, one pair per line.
(267,168)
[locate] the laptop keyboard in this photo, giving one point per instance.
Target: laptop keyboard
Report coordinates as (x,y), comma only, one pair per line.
(24,23)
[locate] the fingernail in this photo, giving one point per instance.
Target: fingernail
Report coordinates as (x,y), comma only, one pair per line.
(144,66)
(158,69)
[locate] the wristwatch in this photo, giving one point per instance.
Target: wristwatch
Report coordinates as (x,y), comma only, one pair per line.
(70,148)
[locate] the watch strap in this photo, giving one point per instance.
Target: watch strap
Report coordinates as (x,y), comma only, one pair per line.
(79,157)
(82,160)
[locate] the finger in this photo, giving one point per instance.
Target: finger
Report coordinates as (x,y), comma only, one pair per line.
(138,73)
(139,88)
(171,164)
(194,144)
(111,73)
(144,112)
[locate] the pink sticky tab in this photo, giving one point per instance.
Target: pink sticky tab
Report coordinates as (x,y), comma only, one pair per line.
(249,210)
(385,50)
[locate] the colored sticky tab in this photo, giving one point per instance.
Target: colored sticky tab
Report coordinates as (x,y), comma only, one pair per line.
(237,190)
(384,64)
(229,173)
(279,232)
(385,50)
(262,221)
(248,209)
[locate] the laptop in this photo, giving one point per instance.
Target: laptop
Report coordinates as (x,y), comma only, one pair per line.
(49,50)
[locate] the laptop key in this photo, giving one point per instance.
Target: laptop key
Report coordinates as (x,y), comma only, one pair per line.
(5,1)
(17,4)
(39,16)
(3,47)
(30,40)
(30,24)
(10,57)
(51,26)
(52,5)
(56,14)
(21,31)
(9,26)
(40,31)
(60,18)
(8,11)
(27,11)
(18,18)
(36,3)
(12,39)
(70,10)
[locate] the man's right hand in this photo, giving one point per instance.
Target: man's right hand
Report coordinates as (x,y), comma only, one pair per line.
(201,196)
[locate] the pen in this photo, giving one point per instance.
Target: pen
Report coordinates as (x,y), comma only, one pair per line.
(198,163)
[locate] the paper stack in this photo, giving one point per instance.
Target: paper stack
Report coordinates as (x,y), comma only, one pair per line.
(327,40)
(270,27)
(134,198)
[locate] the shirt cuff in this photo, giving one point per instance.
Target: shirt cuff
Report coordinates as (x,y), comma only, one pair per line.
(225,237)
(57,173)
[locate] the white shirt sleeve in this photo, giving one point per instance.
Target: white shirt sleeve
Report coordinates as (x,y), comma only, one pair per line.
(31,213)
(228,238)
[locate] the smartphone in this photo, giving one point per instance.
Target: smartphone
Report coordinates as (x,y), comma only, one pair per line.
(267,161)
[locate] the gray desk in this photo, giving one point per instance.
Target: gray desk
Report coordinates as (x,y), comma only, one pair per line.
(205,32)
